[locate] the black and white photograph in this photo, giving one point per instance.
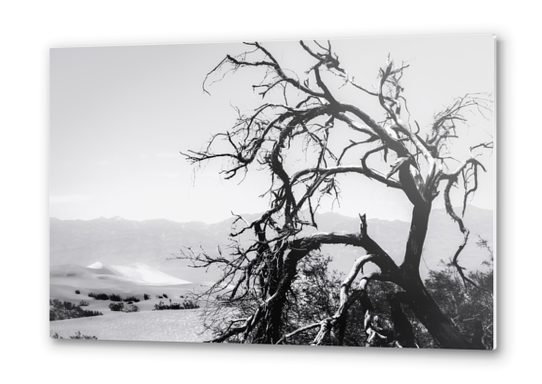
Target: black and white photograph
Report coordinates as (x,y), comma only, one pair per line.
(328,192)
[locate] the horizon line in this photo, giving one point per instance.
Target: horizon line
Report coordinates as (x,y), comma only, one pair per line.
(116,217)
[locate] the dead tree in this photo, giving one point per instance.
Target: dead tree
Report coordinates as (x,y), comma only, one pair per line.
(249,301)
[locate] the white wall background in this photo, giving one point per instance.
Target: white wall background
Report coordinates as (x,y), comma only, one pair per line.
(29,28)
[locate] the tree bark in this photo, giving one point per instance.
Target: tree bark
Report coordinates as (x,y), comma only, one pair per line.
(438,325)
(268,330)
(403,332)
(420,302)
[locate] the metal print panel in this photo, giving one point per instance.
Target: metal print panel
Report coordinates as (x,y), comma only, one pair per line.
(330,193)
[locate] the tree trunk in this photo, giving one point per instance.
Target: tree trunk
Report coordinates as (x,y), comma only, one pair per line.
(280,278)
(438,325)
(268,329)
(421,303)
(402,329)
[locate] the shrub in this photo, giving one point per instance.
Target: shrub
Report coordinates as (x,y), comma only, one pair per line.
(131,299)
(99,296)
(78,335)
(187,304)
(165,296)
(78,292)
(62,310)
(131,308)
(117,307)
(83,303)
(114,297)
(190,304)
(146,297)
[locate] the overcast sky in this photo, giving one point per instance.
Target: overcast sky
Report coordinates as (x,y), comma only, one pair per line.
(121,115)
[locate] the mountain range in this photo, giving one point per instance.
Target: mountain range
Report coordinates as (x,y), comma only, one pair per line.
(158,243)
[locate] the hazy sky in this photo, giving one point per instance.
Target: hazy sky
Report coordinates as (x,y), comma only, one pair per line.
(121,115)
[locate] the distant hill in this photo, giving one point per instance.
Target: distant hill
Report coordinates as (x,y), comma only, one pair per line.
(155,242)
(120,242)
(443,239)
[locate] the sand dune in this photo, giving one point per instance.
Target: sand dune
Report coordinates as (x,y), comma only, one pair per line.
(124,280)
(74,283)
(138,272)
